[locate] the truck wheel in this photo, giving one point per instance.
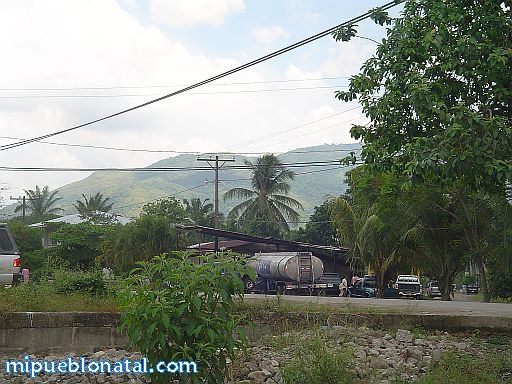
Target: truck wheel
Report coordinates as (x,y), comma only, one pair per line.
(248,283)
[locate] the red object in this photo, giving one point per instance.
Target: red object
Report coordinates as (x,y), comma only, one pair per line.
(16,263)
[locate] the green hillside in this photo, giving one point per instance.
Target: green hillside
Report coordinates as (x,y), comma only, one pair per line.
(130,190)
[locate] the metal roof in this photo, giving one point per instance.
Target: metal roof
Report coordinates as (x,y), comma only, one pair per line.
(257,239)
(77,219)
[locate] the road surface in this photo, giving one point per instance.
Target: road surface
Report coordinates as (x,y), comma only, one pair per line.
(435,307)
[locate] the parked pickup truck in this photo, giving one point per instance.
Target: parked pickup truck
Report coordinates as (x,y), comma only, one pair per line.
(9,258)
(433,289)
(365,287)
(408,286)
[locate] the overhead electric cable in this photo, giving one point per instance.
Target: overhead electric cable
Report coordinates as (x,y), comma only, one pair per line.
(214,78)
(252,141)
(159,94)
(172,86)
(176,152)
(164,169)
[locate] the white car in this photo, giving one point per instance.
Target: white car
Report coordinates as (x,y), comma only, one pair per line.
(408,286)
(10,261)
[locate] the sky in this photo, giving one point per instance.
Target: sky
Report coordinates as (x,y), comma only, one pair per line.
(66,62)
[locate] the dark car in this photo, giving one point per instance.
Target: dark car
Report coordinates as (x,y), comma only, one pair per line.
(365,287)
(470,289)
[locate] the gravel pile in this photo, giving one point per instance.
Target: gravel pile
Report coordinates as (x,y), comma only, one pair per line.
(378,357)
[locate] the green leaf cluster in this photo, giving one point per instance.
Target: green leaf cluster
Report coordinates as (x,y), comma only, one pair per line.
(176,307)
(438,93)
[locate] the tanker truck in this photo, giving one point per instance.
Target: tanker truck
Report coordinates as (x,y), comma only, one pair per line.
(290,273)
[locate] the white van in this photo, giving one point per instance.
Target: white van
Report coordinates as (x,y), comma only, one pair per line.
(10,261)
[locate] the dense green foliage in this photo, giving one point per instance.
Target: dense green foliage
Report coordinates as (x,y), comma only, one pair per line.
(457,367)
(268,200)
(319,229)
(27,239)
(428,229)
(169,207)
(92,283)
(174,309)
(438,94)
(78,244)
(140,240)
(501,285)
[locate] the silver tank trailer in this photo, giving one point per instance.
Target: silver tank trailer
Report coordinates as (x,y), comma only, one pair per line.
(300,267)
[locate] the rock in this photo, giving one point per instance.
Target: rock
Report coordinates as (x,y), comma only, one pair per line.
(245,382)
(378,362)
(403,336)
(436,356)
(360,354)
(425,361)
(258,376)
(274,363)
(373,352)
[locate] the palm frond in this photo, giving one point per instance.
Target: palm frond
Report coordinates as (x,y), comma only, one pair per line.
(239,193)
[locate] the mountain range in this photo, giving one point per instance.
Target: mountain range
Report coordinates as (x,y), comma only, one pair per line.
(129,191)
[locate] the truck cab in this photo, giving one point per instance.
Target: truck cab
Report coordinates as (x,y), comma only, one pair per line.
(10,261)
(409,286)
(365,287)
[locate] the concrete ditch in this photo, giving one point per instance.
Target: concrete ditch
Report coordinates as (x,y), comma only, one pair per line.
(80,332)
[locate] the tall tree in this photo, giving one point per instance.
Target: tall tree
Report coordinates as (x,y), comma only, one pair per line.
(268,199)
(199,211)
(41,203)
(168,207)
(319,229)
(373,224)
(438,93)
(96,203)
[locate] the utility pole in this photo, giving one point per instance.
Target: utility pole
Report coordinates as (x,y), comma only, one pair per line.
(23,204)
(216,168)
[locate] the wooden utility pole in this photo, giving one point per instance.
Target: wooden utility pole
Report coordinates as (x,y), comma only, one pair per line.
(23,204)
(216,168)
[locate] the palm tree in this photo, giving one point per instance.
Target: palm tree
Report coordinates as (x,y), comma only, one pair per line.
(41,203)
(199,212)
(267,200)
(376,237)
(93,204)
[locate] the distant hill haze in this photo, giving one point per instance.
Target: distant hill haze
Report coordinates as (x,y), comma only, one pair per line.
(129,191)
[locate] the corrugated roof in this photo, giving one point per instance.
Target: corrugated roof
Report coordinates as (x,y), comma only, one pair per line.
(257,239)
(78,219)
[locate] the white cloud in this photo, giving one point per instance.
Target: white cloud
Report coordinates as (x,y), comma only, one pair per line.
(268,35)
(52,44)
(193,12)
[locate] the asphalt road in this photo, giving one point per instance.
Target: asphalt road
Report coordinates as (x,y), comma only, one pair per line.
(464,308)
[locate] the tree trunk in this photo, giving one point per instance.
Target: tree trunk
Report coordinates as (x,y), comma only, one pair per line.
(486,297)
(444,287)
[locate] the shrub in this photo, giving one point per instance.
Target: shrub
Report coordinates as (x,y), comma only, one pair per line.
(43,263)
(501,285)
(91,283)
(317,363)
(174,309)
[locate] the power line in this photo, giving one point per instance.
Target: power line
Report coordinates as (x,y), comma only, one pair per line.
(159,169)
(160,198)
(159,94)
(186,152)
(252,141)
(214,78)
(168,169)
(201,185)
(172,86)
(173,151)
